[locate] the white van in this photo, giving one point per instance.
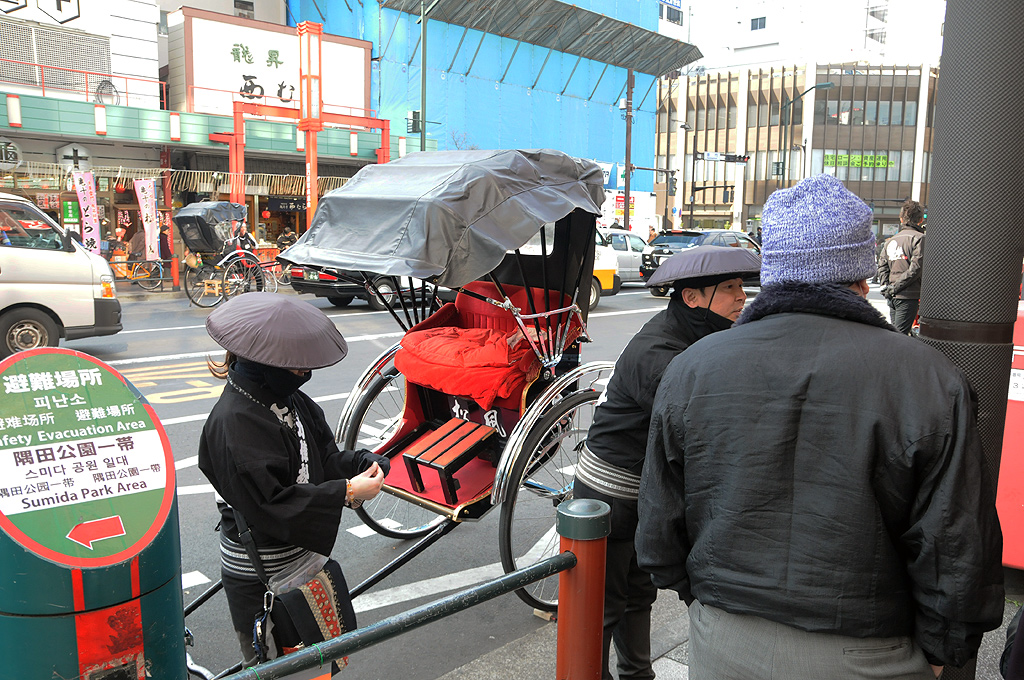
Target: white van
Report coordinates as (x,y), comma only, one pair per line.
(50,286)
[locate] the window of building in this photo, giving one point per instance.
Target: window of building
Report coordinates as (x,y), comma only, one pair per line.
(857,113)
(670,14)
(759,165)
(161,27)
(773,118)
(883,113)
(731,119)
(880,12)
(751,115)
(876,34)
(819,111)
(722,112)
(910,115)
(701,116)
(757,24)
(762,114)
(897,113)
(870,113)
(691,118)
(832,111)
(245,9)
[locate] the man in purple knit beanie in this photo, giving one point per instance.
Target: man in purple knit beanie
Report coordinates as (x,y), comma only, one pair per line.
(814,487)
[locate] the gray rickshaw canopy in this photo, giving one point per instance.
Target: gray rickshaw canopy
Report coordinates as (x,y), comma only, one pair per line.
(447,216)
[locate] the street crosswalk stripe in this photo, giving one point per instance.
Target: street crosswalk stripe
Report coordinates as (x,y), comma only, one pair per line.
(363,531)
(192,579)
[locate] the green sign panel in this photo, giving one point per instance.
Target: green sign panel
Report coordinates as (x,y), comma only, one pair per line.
(854,160)
(86,472)
(70,212)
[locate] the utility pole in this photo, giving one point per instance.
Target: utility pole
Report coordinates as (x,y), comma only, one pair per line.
(629,144)
(668,153)
(423,75)
(693,181)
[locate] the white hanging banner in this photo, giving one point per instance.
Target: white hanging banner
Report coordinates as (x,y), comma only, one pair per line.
(85,188)
(145,191)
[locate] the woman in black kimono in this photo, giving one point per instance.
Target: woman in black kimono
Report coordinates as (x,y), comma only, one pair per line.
(268,450)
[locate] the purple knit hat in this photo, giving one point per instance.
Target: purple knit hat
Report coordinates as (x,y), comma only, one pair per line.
(816,232)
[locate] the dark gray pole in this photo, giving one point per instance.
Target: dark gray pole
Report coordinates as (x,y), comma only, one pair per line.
(974,245)
(693,181)
(423,75)
(668,153)
(629,144)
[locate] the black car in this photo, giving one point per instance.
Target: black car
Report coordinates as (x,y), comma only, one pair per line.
(340,287)
(668,243)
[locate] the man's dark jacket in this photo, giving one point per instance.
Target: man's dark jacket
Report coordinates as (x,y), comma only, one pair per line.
(618,434)
(900,261)
(791,476)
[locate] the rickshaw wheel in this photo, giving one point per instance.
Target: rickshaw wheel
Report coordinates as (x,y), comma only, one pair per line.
(244,275)
(545,471)
(376,415)
(202,285)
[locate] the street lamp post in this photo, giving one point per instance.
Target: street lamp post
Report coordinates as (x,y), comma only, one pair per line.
(784,124)
(693,169)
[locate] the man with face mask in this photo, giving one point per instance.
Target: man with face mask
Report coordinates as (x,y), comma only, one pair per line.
(269,452)
(709,299)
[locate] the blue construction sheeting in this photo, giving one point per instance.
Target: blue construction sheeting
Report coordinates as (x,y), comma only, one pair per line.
(486,91)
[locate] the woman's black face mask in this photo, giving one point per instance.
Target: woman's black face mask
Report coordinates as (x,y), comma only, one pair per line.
(282,382)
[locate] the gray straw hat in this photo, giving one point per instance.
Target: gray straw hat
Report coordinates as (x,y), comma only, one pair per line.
(277,330)
(705,266)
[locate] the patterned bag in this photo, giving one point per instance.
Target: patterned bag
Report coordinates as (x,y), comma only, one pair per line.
(311,612)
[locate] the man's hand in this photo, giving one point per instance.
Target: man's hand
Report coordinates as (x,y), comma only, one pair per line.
(367,484)
(887,292)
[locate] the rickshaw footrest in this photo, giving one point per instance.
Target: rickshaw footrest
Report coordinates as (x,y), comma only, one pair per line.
(446,449)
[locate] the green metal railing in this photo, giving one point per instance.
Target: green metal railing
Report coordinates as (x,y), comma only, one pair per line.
(322,654)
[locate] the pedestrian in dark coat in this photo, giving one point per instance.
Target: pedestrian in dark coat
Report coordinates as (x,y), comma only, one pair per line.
(613,456)
(269,452)
(899,267)
(818,522)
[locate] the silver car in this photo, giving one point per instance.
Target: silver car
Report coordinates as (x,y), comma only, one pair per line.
(629,248)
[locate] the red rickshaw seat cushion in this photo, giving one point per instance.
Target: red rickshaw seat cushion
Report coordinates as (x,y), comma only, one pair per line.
(463,348)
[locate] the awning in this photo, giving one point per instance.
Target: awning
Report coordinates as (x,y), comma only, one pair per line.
(565,28)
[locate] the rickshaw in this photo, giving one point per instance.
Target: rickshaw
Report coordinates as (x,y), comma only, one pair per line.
(484,402)
(221,269)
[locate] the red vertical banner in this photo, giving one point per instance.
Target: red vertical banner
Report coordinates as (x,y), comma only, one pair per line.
(145,191)
(85,188)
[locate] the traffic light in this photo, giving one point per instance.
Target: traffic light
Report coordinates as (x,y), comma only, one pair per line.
(736,158)
(413,122)
(672,185)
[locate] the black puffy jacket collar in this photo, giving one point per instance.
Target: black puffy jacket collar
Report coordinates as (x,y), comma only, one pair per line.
(827,299)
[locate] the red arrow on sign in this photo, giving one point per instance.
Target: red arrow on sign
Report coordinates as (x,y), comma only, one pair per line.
(88,533)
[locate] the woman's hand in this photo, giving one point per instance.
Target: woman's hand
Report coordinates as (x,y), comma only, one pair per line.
(367,484)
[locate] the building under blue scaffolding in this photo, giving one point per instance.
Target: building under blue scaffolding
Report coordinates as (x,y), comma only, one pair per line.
(527,74)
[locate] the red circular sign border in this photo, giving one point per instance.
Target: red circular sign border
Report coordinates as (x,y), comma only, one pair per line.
(22,539)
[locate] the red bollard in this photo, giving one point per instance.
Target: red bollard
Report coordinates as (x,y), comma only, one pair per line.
(175,274)
(583,525)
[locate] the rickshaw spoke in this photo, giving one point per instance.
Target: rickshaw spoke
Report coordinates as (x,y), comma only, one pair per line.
(545,468)
(377,415)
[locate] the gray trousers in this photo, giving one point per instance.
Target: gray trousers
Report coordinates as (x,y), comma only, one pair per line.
(726,646)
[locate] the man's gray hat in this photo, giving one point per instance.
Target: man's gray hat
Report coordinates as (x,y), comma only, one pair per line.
(705,266)
(277,330)
(816,232)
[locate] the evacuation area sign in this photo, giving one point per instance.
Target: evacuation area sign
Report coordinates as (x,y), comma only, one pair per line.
(86,472)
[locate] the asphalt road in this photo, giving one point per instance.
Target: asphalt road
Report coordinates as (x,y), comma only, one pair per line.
(162,351)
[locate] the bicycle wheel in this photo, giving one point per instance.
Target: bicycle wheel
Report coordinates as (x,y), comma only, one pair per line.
(242,276)
(376,417)
(544,471)
(203,285)
(269,280)
(149,275)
